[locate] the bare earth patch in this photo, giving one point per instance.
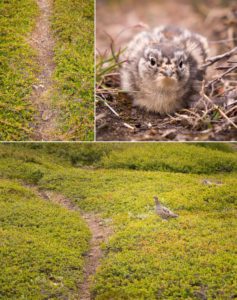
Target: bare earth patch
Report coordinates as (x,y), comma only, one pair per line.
(42,41)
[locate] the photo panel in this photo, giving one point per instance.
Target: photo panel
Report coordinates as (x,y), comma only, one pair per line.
(47,70)
(118,221)
(166,70)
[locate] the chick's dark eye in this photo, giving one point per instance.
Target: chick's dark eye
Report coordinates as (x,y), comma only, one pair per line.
(152,61)
(181,64)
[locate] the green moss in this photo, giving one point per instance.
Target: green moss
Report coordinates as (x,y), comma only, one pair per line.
(175,157)
(73,25)
(179,259)
(17,68)
(171,157)
(73,93)
(42,246)
(225,147)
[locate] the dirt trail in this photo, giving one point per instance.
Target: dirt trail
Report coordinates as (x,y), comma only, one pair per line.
(99,231)
(42,41)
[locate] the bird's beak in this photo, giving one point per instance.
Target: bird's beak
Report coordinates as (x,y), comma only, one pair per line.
(168,73)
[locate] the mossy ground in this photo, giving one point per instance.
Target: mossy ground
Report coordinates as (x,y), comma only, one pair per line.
(42,246)
(192,257)
(72,95)
(73,26)
(17,68)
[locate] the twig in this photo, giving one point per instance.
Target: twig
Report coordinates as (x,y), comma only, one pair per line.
(112,74)
(220,111)
(116,114)
(111,108)
(223,41)
(212,60)
(222,68)
(222,75)
(231,109)
(128,126)
(108,91)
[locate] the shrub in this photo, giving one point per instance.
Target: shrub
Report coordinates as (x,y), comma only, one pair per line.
(174,157)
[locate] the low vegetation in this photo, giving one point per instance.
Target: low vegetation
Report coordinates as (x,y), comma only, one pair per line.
(17,68)
(73,90)
(179,158)
(42,246)
(191,257)
(189,158)
(73,25)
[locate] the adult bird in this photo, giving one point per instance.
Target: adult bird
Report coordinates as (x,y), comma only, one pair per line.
(163,211)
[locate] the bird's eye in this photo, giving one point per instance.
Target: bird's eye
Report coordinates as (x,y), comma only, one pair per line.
(152,61)
(181,64)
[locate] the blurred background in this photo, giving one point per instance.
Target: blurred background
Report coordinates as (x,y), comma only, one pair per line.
(120,20)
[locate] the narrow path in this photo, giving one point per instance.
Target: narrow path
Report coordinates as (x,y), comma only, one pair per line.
(100,233)
(42,41)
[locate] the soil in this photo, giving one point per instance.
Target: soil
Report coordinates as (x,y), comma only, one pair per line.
(100,234)
(42,41)
(135,124)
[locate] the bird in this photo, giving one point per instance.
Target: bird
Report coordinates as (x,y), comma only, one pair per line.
(209,182)
(206,182)
(162,69)
(163,211)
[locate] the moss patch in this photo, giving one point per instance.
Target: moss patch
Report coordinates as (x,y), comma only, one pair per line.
(17,68)
(42,246)
(73,25)
(171,157)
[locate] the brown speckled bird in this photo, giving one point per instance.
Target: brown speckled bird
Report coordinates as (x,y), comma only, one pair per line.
(163,211)
(162,68)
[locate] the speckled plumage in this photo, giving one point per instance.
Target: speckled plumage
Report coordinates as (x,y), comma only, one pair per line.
(162,68)
(163,211)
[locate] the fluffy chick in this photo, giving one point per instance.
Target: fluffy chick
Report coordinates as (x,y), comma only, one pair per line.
(162,69)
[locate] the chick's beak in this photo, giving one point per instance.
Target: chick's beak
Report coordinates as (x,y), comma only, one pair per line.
(168,73)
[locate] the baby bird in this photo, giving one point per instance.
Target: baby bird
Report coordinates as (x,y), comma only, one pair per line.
(162,69)
(162,211)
